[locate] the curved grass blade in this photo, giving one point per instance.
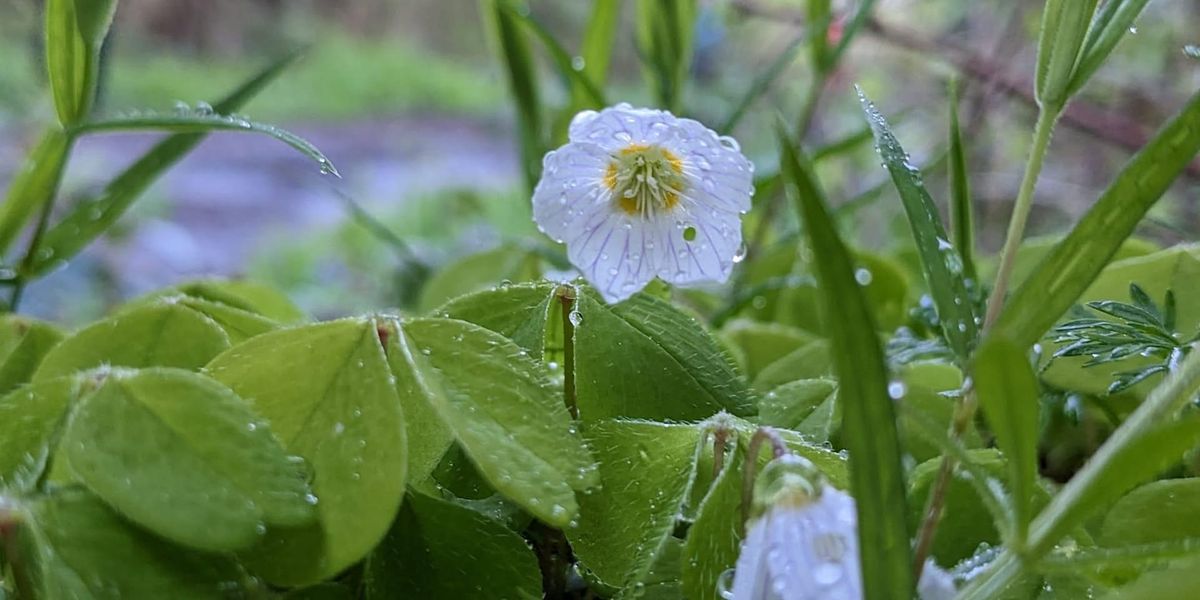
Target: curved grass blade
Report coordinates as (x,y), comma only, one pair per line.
(204,122)
(576,78)
(1008,392)
(941,263)
(1064,274)
(598,40)
(962,221)
(523,83)
(1110,24)
(90,218)
(760,84)
(33,186)
(868,422)
(75,31)
(1138,556)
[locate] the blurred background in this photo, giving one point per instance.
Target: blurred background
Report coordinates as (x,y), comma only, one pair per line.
(408,99)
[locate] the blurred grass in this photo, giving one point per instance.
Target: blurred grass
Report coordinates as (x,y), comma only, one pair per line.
(342,77)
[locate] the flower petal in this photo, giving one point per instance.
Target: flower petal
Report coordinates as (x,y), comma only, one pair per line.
(571,186)
(619,126)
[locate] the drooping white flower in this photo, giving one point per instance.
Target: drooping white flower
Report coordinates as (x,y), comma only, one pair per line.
(638,193)
(804,544)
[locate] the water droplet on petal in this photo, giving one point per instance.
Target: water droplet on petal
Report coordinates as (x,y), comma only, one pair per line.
(575,317)
(740,254)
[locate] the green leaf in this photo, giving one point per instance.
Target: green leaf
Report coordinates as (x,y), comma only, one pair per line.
(245,295)
(647,469)
(810,361)
(30,420)
(239,324)
(24,343)
(183,456)
(1008,392)
(807,406)
(95,215)
(713,539)
(1159,511)
(1180,580)
(1136,557)
(161,334)
(467,383)
(77,547)
(967,519)
(644,358)
(962,220)
(1110,24)
(203,121)
(940,261)
(327,392)
(517,312)
(521,73)
(438,549)
(74,33)
(1076,261)
(34,185)
(476,272)
(764,343)
(868,419)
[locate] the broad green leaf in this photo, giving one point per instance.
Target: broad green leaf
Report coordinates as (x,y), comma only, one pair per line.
(245,295)
(807,406)
(162,334)
(962,220)
(327,392)
(940,261)
(646,470)
(438,549)
(763,82)
(966,521)
(1008,393)
(203,121)
(521,73)
(1109,25)
(1159,511)
(472,385)
(809,361)
(24,343)
(644,358)
(713,539)
(184,457)
(30,420)
(34,185)
(927,389)
(240,325)
(1034,249)
(77,547)
(1075,262)
(1125,461)
(517,312)
(92,216)
(764,343)
(868,417)
(1176,269)
(476,272)
(1180,580)
(75,30)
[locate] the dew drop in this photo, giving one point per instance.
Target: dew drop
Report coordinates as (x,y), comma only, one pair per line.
(896,390)
(578,63)
(1191,51)
(740,254)
(862,276)
(575,317)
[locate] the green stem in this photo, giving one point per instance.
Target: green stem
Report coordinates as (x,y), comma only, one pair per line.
(566,297)
(1020,215)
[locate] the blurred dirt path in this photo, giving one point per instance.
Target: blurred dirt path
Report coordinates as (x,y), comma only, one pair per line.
(209,214)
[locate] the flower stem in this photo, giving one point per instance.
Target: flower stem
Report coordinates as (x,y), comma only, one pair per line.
(566,298)
(1020,215)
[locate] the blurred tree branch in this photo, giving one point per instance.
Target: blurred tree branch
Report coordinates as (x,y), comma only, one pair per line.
(1106,125)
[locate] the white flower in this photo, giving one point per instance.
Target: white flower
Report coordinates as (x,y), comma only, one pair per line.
(638,193)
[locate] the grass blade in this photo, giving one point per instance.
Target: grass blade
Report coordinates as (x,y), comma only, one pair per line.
(523,83)
(760,84)
(1060,278)
(589,96)
(598,40)
(664,32)
(90,218)
(1137,556)
(74,34)
(204,122)
(1008,392)
(33,186)
(941,263)
(869,421)
(962,221)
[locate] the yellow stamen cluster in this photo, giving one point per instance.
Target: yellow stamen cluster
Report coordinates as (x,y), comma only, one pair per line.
(645,179)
